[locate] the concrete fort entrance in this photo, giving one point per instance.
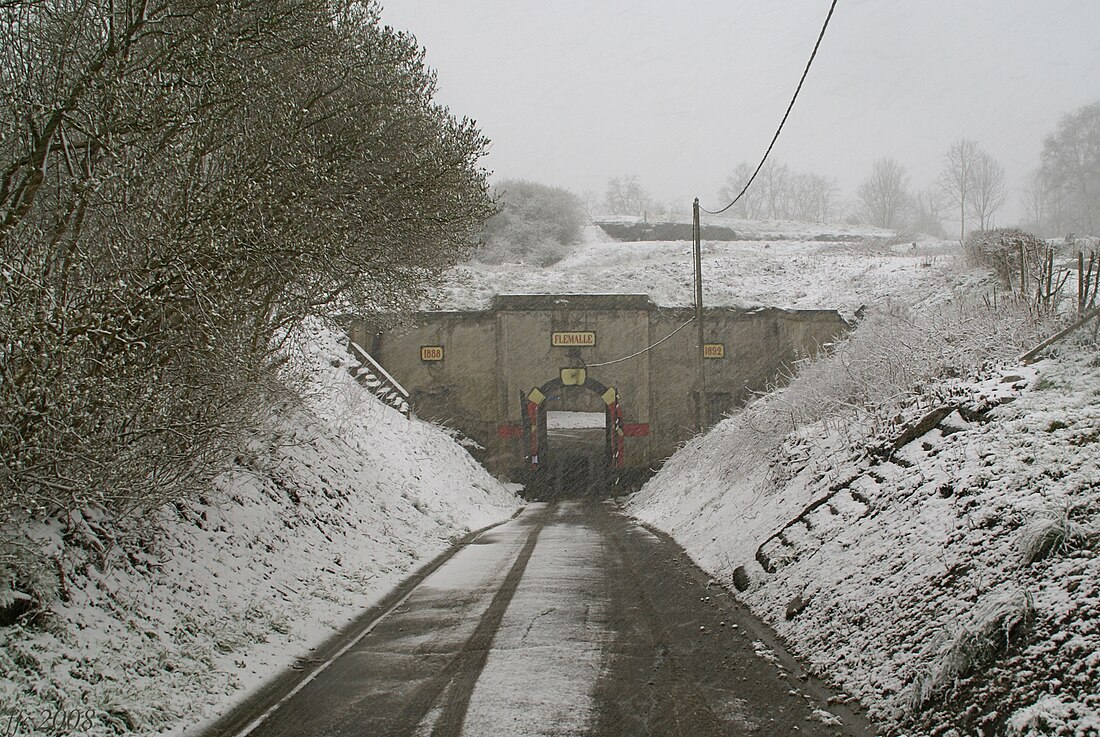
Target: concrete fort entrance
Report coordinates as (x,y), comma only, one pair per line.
(586,394)
(572,427)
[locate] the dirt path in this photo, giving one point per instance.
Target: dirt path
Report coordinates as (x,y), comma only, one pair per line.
(568,620)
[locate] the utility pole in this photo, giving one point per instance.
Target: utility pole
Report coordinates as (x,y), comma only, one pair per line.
(697,244)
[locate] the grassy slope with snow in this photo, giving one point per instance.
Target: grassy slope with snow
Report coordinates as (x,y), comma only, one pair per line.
(166,623)
(786,268)
(901,575)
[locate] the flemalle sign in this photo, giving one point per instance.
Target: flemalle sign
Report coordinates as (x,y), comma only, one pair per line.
(564,339)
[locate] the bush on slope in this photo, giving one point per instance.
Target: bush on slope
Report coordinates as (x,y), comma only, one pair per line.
(535,224)
(179,184)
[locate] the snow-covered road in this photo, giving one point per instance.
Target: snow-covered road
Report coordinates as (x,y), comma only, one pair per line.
(568,620)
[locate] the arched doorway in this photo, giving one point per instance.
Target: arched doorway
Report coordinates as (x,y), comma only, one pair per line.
(568,459)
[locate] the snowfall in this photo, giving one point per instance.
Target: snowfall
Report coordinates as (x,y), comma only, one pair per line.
(946,579)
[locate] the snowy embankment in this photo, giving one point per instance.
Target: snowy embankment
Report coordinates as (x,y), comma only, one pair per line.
(792,265)
(165,623)
(939,564)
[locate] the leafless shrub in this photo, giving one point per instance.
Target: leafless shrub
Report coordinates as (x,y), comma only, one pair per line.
(535,224)
(1021,261)
(1053,532)
(998,621)
(999,250)
(893,359)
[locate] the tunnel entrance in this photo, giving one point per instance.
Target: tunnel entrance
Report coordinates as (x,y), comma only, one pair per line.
(573,434)
(578,464)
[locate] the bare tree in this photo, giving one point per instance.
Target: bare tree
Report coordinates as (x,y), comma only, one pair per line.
(926,212)
(884,195)
(778,193)
(988,191)
(1035,198)
(774,182)
(1071,167)
(751,206)
(625,196)
(1045,206)
(813,198)
(957,178)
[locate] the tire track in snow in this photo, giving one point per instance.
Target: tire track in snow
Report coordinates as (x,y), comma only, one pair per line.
(460,675)
(540,678)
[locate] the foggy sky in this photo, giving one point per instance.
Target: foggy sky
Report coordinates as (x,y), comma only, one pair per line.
(573,92)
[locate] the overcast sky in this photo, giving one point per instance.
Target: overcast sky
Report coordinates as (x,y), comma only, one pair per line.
(572,92)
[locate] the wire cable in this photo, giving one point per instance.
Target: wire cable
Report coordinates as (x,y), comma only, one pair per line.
(779,130)
(648,348)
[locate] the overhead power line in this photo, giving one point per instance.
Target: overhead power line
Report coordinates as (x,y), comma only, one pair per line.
(775,138)
(647,348)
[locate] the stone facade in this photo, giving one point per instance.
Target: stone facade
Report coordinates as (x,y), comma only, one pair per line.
(475,371)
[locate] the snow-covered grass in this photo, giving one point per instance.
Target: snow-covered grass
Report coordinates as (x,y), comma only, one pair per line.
(950,582)
(166,621)
(788,267)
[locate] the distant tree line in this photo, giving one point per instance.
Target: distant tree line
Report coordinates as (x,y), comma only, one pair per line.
(536,223)
(971,184)
(778,193)
(1061,196)
(624,195)
(180,185)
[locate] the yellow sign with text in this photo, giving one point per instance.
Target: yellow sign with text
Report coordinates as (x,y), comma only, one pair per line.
(431,353)
(714,350)
(569,339)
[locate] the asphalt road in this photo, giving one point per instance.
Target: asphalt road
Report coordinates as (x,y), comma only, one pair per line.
(568,620)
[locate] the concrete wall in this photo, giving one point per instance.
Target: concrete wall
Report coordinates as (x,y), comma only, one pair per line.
(493,356)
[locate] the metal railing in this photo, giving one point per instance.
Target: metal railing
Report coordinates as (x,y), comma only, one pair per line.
(370,374)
